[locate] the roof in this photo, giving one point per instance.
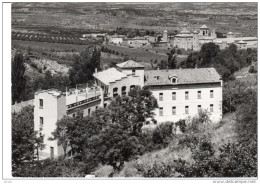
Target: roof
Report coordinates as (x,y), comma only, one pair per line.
(246,38)
(130,64)
(109,75)
(230,33)
(195,32)
(185,76)
(241,42)
(204,27)
(184,33)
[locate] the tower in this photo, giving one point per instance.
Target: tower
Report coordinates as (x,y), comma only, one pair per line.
(230,37)
(165,36)
(196,41)
(49,107)
(213,33)
(204,31)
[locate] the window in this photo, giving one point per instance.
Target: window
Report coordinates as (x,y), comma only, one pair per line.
(105,105)
(132,87)
(157,77)
(41,103)
(161,111)
(89,111)
(161,96)
(186,109)
(199,94)
(133,72)
(173,110)
(41,121)
(211,108)
(174,80)
(186,95)
(52,152)
(199,108)
(211,94)
(173,95)
(41,136)
(96,107)
(115,94)
(73,115)
(123,91)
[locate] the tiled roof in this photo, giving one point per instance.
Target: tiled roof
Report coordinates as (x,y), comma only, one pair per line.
(184,76)
(109,75)
(184,33)
(204,27)
(130,64)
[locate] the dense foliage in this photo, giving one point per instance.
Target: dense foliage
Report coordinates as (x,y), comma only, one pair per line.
(84,66)
(18,78)
(25,142)
(225,61)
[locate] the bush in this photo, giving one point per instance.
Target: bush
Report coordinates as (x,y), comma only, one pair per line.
(252,69)
(163,134)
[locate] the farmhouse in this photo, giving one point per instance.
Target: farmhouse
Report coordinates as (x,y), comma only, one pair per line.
(181,93)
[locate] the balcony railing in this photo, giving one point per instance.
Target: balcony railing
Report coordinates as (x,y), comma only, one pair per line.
(83,102)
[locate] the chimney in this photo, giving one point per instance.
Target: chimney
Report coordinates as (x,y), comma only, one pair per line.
(95,70)
(158,68)
(196,66)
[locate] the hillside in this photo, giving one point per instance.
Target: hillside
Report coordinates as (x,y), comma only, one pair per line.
(221,133)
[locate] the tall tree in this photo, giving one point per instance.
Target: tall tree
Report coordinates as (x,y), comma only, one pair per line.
(84,66)
(24,139)
(18,78)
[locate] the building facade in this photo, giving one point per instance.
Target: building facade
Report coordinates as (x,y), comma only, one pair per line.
(181,93)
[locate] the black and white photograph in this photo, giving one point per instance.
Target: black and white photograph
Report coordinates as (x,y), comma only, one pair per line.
(133,90)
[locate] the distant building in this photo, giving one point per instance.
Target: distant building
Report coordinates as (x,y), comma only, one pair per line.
(194,40)
(137,41)
(180,93)
(116,39)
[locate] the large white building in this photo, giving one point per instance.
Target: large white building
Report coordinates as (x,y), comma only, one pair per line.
(181,93)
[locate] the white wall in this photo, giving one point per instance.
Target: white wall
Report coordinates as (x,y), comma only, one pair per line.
(49,112)
(193,101)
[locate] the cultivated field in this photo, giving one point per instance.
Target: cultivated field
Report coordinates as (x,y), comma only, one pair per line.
(139,55)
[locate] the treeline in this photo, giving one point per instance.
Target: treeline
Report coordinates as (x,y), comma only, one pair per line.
(225,61)
(23,87)
(54,39)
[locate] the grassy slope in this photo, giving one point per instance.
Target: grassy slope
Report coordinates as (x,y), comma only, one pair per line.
(221,134)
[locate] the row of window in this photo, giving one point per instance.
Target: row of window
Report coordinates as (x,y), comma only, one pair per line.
(186,95)
(73,115)
(174,109)
(123,90)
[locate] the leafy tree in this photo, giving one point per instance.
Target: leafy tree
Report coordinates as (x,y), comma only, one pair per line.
(133,110)
(84,66)
(25,142)
(115,150)
(163,134)
(192,60)
(18,78)
(172,62)
(208,52)
(61,133)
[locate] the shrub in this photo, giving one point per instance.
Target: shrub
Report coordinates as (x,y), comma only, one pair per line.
(252,69)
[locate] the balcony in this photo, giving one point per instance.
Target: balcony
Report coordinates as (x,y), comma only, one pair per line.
(83,102)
